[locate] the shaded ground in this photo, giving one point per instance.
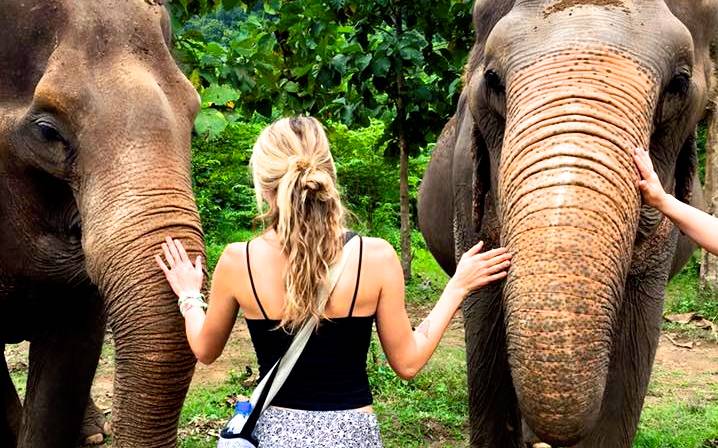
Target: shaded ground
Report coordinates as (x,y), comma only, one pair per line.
(681,377)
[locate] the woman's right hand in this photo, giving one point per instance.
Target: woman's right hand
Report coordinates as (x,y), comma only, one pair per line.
(477,269)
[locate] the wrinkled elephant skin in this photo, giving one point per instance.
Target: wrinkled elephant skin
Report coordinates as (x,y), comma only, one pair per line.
(557,95)
(95,127)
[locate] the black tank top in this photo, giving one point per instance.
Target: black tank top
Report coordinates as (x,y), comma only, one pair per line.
(330,375)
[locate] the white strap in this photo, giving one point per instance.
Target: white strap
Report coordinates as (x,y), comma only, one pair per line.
(286,362)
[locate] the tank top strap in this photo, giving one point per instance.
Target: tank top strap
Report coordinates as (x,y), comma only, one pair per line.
(356,287)
(251,281)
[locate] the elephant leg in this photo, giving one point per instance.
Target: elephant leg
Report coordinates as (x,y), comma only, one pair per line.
(63,360)
(94,426)
(493,409)
(10,407)
(638,331)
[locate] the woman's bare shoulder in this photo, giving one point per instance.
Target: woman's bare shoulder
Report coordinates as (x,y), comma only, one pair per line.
(233,256)
(379,249)
(234,250)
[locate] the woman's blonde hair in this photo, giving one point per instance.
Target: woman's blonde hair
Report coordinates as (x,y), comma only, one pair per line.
(292,165)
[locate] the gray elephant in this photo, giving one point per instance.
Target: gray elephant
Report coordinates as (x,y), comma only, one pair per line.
(538,157)
(95,123)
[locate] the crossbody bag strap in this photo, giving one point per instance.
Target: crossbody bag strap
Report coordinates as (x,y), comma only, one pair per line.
(268,388)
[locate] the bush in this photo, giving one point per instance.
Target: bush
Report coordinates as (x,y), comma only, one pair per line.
(222,181)
(367,179)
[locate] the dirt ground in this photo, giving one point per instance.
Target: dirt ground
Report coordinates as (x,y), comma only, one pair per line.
(679,373)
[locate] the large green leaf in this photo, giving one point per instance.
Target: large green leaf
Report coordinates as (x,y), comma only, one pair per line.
(381,66)
(219,95)
(210,123)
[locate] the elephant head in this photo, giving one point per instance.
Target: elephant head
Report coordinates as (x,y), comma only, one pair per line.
(558,94)
(95,127)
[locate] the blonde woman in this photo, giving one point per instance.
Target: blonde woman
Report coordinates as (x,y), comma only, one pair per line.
(274,279)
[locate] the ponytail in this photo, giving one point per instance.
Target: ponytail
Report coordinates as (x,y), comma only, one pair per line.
(291,162)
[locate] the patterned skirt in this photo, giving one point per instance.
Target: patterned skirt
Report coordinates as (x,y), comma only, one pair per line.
(281,427)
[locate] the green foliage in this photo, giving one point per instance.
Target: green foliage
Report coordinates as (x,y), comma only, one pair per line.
(339,60)
(418,50)
(701,140)
(365,176)
(428,282)
(226,198)
(683,294)
(182,10)
(222,181)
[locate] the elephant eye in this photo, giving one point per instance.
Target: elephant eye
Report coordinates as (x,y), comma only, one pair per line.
(494,82)
(679,85)
(48,132)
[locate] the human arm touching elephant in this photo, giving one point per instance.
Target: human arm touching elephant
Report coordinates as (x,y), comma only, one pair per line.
(207,334)
(408,351)
(698,225)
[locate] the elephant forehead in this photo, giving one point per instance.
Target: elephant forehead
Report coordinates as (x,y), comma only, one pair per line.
(94,28)
(560,5)
(102,29)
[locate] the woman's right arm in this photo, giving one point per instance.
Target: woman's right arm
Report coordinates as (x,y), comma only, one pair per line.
(409,350)
(698,225)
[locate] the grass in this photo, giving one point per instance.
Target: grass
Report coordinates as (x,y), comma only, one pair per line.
(683,294)
(430,408)
(205,410)
(678,425)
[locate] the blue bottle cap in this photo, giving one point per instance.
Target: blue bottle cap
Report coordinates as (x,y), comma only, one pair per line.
(243,407)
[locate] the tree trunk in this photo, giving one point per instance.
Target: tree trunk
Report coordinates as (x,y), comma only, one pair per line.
(403,159)
(709,263)
(404,202)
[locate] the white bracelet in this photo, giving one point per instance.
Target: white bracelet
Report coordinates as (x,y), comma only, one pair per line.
(198,295)
(188,301)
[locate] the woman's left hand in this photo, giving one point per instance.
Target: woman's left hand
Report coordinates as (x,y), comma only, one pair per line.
(184,277)
(649,184)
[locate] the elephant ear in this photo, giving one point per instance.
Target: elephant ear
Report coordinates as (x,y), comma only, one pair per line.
(451,197)
(471,176)
(686,168)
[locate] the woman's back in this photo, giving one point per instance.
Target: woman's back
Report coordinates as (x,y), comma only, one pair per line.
(268,265)
(331,373)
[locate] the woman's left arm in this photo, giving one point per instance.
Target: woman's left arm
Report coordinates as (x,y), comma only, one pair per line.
(206,334)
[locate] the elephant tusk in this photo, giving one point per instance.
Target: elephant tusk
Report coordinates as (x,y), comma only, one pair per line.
(541,445)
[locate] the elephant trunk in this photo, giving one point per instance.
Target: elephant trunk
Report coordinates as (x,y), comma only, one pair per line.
(142,197)
(569,208)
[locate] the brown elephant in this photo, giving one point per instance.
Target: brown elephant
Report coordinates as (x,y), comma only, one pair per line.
(95,126)
(538,157)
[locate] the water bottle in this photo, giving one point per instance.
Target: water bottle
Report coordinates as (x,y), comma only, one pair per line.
(242,409)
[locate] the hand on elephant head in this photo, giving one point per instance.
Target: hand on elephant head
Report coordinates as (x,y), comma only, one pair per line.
(184,277)
(477,269)
(649,183)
